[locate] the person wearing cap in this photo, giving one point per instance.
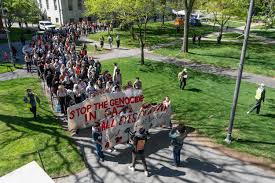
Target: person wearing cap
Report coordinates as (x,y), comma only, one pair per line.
(182,76)
(31,99)
(97,137)
(260,97)
(177,136)
(138,140)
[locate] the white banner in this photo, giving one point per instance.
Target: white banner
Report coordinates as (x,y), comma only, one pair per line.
(93,109)
(113,129)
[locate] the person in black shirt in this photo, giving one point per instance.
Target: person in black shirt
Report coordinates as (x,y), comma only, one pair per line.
(138,140)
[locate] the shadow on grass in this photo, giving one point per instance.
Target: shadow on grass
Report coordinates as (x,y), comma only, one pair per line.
(253,142)
(48,126)
(194,90)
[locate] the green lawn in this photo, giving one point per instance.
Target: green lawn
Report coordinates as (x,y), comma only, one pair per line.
(206,102)
(235,23)
(268,33)
(260,57)
(21,137)
(156,34)
(4,68)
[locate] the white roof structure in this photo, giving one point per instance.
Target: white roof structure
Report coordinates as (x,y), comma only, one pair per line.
(29,173)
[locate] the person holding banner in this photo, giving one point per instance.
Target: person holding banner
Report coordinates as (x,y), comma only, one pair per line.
(177,136)
(138,140)
(97,137)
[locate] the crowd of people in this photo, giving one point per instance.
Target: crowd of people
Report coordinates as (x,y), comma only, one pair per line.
(72,76)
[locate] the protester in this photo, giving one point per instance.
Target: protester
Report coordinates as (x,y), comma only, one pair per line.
(167,103)
(31,99)
(117,78)
(177,136)
(138,84)
(101,42)
(260,97)
(182,76)
(97,137)
(138,140)
(61,96)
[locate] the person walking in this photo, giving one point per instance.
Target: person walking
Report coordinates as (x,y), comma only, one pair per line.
(110,40)
(260,97)
(117,41)
(101,41)
(97,137)
(31,99)
(182,76)
(61,96)
(138,141)
(177,135)
(194,39)
(27,59)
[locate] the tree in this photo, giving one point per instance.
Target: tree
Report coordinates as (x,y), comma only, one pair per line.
(268,12)
(188,8)
(21,10)
(139,12)
(163,5)
(223,10)
(103,9)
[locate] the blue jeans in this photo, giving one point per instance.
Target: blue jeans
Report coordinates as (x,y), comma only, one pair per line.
(176,154)
(99,151)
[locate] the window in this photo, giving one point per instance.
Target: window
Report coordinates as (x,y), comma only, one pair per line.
(50,19)
(47,4)
(71,19)
(80,3)
(56,20)
(40,4)
(70,5)
(55,4)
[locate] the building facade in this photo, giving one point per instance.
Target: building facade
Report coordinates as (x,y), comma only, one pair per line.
(62,11)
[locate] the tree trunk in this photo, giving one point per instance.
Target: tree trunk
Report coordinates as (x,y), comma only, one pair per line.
(142,53)
(184,48)
(141,43)
(132,32)
(163,17)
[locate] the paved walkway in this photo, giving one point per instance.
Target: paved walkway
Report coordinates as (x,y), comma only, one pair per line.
(200,164)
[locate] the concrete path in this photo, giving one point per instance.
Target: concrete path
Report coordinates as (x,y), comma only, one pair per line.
(199,164)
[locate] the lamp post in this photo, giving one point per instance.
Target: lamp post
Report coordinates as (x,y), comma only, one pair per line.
(4,14)
(240,72)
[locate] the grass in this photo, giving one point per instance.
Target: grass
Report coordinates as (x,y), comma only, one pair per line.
(206,102)
(91,49)
(15,34)
(235,23)
(156,34)
(260,58)
(4,67)
(268,33)
(21,136)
